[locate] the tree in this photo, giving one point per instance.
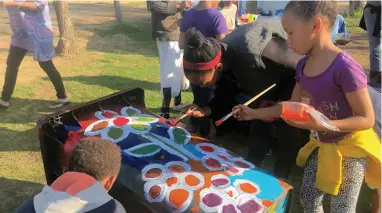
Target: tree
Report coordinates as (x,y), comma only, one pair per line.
(354,6)
(118,11)
(67,42)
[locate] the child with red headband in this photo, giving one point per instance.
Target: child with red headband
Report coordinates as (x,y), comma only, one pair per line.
(211,23)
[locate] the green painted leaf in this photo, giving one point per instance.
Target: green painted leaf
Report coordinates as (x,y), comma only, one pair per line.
(130,112)
(145,149)
(139,127)
(115,133)
(145,119)
(180,135)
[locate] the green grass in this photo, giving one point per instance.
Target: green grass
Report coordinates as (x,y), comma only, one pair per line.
(352,21)
(21,169)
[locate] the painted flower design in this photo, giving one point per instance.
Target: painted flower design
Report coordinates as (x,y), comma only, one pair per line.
(116,127)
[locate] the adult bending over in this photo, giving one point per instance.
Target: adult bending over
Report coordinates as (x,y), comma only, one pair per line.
(32,31)
(248,60)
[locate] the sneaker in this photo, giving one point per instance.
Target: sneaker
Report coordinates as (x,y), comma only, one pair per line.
(180,107)
(60,103)
(3,104)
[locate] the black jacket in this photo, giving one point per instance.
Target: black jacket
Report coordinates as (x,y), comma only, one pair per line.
(160,10)
(255,56)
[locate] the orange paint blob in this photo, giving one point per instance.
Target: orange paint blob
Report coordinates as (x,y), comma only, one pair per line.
(248,188)
(154,191)
(153,173)
(191,180)
(195,209)
(100,125)
(230,193)
(178,197)
(285,185)
(177,169)
(267,203)
(171,181)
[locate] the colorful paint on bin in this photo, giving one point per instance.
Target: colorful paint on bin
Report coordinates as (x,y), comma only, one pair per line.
(179,171)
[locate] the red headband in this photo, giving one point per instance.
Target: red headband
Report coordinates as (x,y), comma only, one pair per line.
(202,66)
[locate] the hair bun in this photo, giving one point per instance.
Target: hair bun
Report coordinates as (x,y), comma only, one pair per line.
(194,39)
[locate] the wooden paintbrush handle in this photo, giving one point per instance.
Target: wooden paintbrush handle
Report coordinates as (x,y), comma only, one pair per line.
(258,95)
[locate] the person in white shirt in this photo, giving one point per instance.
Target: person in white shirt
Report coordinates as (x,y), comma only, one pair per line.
(228,9)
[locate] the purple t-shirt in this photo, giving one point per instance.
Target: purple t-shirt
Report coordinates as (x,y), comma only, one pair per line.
(326,92)
(209,22)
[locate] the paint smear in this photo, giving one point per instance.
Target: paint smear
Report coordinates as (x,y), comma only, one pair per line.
(154,191)
(242,164)
(222,157)
(207,148)
(213,163)
(212,200)
(195,209)
(115,133)
(178,197)
(232,169)
(121,121)
(153,173)
(220,182)
(250,206)
(177,168)
(108,114)
(101,125)
(191,180)
(248,188)
(267,203)
(171,181)
(229,209)
(230,193)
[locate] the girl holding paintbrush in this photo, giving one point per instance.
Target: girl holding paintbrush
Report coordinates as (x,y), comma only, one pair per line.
(335,84)
(234,67)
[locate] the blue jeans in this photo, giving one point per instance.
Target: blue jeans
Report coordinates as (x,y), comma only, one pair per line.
(374,42)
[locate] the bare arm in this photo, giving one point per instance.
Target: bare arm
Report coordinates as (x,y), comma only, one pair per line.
(181,40)
(23,5)
(220,37)
(362,107)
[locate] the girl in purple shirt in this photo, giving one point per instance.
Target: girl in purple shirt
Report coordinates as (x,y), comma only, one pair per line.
(32,31)
(332,82)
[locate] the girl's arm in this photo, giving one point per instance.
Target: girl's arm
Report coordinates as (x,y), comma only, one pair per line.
(247,113)
(23,5)
(362,107)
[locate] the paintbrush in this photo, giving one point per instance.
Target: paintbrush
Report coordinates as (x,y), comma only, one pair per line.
(176,121)
(219,122)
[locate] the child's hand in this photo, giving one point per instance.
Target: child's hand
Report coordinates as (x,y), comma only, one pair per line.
(243,113)
(198,112)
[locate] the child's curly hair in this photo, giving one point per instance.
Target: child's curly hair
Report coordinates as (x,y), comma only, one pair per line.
(95,157)
(309,9)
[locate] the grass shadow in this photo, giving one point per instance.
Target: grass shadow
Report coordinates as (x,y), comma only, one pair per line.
(126,38)
(11,196)
(114,82)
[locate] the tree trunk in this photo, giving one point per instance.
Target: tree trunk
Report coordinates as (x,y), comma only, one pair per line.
(354,6)
(118,11)
(67,43)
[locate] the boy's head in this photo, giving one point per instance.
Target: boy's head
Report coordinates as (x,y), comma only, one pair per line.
(98,158)
(308,22)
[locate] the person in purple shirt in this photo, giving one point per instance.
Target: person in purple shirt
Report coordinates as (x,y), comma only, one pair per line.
(32,31)
(211,23)
(332,82)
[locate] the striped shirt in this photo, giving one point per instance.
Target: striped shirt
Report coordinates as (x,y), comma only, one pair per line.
(32,30)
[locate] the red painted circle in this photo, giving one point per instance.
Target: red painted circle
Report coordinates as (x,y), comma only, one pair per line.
(232,169)
(121,121)
(242,164)
(222,157)
(108,114)
(213,163)
(207,148)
